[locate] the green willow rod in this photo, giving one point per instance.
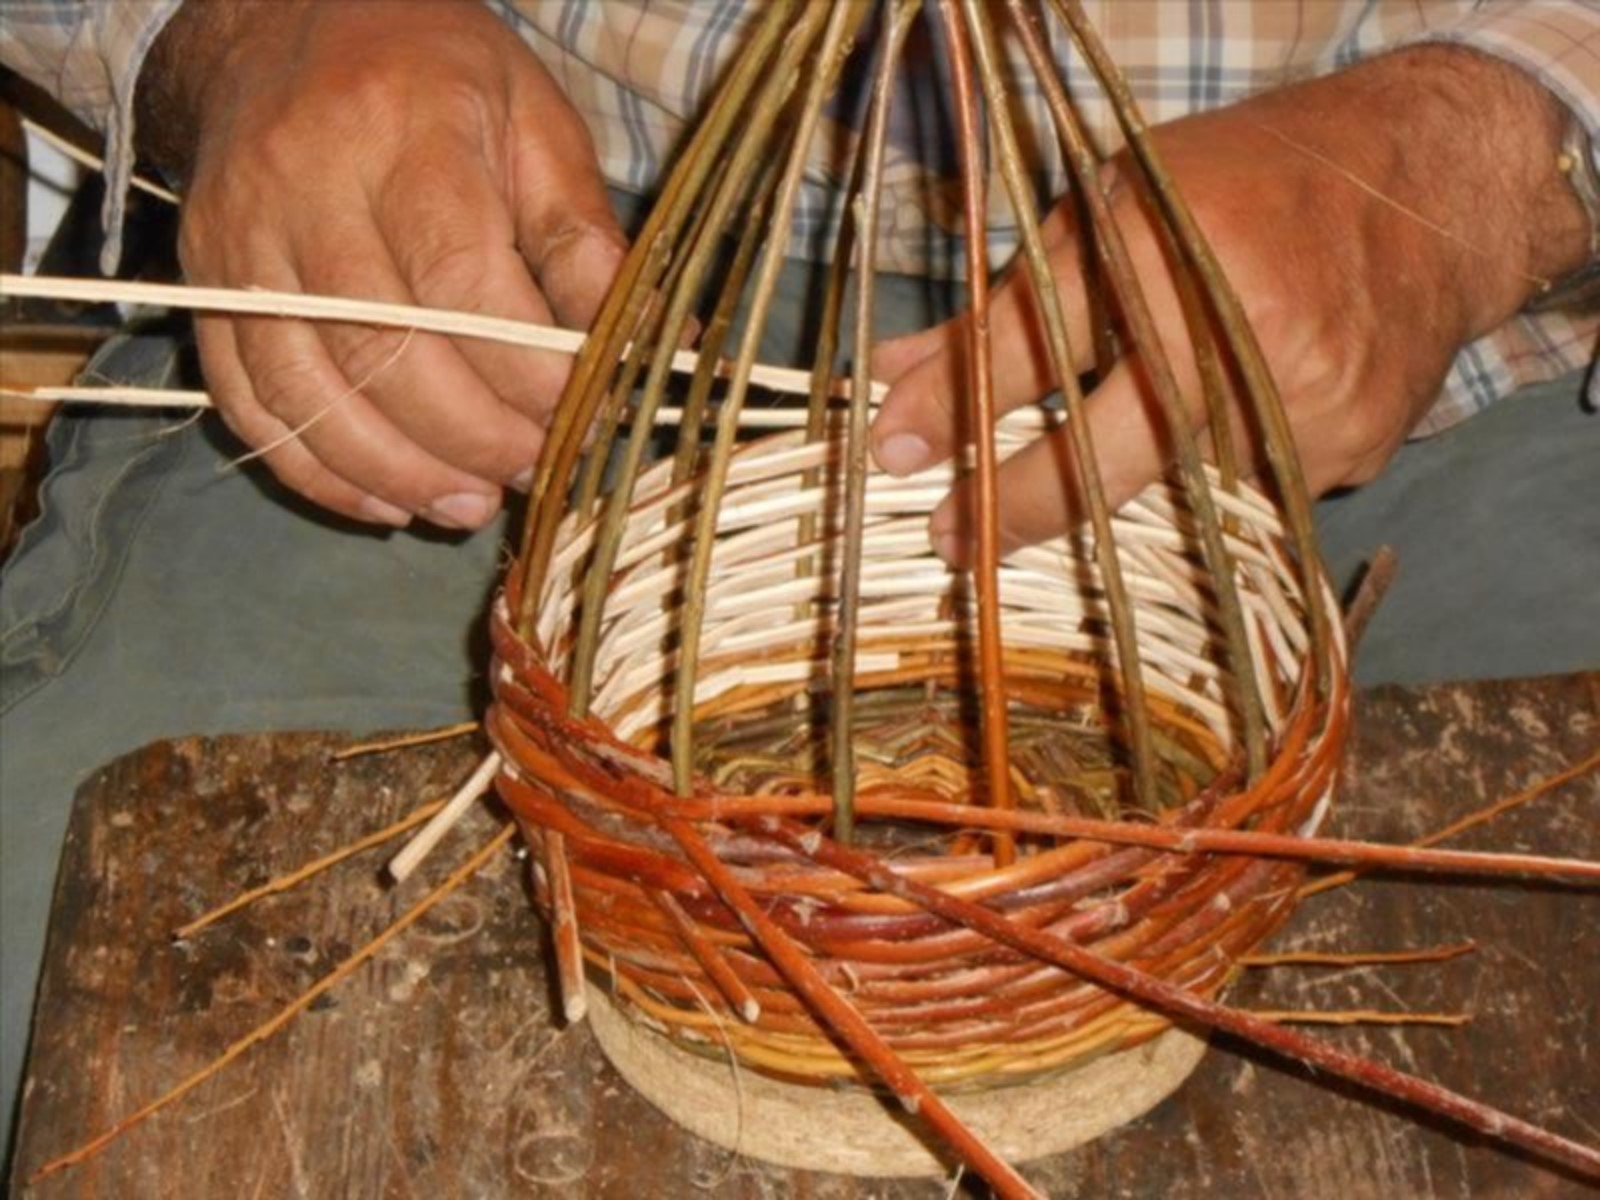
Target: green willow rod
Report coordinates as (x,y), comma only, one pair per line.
(847,609)
(1118,263)
(843,21)
(1260,387)
(613,325)
(716,334)
(700,257)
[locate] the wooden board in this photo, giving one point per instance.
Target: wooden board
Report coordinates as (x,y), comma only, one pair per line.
(439,1071)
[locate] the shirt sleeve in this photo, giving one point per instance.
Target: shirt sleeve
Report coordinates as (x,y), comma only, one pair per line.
(1557,42)
(88,54)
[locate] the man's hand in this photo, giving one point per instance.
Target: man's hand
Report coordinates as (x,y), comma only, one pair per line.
(415,153)
(1359,307)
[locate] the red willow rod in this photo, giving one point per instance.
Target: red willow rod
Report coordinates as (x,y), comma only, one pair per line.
(1176,1002)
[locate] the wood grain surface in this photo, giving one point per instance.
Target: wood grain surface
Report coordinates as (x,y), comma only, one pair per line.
(439,1070)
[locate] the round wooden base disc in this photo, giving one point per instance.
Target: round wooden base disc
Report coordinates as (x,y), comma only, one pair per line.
(853,1132)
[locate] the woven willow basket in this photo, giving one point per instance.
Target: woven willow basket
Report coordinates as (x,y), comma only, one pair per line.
(970,1017)
(808,805)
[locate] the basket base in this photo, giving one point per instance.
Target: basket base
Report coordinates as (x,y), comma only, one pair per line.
(855,1133)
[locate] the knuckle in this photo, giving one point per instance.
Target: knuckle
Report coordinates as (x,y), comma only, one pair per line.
(287,386)
(365,352)
(1322,367)
(502,453)
(375,92)
(279,148)
(443,260)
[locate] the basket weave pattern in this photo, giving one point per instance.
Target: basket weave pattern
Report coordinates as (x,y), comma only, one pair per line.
(959,1009)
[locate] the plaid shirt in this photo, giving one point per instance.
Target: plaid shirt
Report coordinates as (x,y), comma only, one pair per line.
(638,71)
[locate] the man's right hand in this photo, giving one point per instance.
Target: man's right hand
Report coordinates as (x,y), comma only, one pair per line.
(414,153)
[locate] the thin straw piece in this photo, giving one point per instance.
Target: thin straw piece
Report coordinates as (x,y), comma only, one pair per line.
(265,1030)
(1356,958)
(405,741)
(87,158)
(303,305)
(419,847)
(1019,422)
(1356,1016)
(1470,821)
(123,397)
(284,882)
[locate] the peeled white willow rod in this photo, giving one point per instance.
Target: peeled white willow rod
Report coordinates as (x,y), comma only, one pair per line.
(422,844)
(121,397)
(1027,419)
(365,312)
(144,397)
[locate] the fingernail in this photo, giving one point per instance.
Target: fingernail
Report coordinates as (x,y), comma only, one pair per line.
(903,453)
(523,480)
(383,512)
(463,510)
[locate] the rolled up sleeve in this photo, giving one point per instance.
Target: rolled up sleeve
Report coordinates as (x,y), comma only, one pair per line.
(1557,43)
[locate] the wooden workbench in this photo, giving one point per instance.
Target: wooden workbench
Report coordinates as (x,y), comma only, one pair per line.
(438,1070)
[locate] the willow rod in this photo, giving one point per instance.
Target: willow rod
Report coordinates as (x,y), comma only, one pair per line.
(640,271)
(992,705)
(846,1020)
(1119,269)
(1260,388)
(738,996)
(843,20)
(847,614)
(715,336)
(729,185)
(824,362)
(1135,703)
(1177,1002)
(1179,840)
